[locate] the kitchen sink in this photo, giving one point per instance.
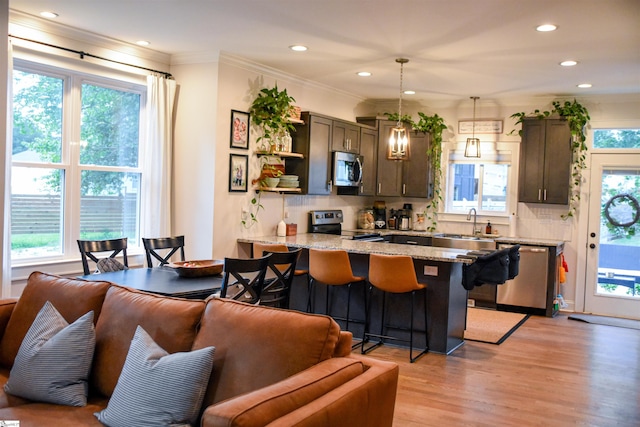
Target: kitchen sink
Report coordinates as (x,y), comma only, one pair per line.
(459,241)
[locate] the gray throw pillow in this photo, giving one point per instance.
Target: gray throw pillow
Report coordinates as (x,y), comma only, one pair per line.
(54,359)
(156,388)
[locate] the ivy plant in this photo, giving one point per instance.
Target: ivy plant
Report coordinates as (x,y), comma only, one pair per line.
(435,126)
(577,117)
(270,111)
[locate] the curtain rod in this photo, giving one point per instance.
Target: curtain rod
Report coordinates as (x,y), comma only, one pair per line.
(83,54)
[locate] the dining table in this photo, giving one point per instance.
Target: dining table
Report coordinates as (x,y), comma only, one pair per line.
(162,281)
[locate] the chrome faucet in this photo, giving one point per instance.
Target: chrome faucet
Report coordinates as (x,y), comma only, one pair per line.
(474,220)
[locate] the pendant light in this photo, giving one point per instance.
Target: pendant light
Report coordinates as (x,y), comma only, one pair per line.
(473,144)
(399,138)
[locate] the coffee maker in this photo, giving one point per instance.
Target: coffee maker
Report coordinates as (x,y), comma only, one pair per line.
(405,216)
(379,215)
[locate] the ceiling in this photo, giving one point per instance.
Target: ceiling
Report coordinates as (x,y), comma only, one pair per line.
(456,48)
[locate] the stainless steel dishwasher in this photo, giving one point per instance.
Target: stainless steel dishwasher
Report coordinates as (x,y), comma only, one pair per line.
(529,288)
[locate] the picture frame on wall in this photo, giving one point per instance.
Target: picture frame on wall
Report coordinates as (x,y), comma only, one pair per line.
(239,129)
(238,172)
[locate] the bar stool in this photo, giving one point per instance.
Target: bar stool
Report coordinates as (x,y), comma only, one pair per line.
(394,274)
(333,268)
(260,248)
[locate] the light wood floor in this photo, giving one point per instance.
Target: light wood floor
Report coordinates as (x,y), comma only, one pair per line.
(550,372)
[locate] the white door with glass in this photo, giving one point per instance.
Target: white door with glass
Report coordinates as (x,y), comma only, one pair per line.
(613,243)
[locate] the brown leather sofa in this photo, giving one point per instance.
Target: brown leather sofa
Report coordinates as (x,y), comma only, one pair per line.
(271,367)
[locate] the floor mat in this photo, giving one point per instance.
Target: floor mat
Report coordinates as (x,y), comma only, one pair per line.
(491,326)
(605,320)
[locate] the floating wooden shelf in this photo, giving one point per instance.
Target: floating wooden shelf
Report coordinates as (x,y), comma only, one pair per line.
(280,189)
(280,154)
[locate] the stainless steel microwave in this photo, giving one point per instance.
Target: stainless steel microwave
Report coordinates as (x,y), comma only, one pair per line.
(347,169)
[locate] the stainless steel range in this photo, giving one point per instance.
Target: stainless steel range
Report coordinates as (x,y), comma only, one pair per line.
(330,222)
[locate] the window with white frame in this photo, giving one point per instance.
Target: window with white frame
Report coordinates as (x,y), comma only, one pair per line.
(76,169)
(481,183)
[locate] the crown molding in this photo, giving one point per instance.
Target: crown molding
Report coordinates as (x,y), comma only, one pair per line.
(37,29)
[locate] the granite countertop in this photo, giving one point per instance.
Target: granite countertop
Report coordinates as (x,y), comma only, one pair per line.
(329,241)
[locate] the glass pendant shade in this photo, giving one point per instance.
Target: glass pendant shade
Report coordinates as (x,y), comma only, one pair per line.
(473,147)
(398,144)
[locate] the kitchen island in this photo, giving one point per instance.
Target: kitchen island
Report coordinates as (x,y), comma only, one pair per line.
(439,268)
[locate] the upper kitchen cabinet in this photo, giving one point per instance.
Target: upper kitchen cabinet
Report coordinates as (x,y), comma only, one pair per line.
(312,139)
(407,178)
(368,145)
(345,137)
(545,161)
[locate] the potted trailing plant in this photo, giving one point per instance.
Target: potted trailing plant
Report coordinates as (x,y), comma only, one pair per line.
(577,117)
(271,111)
(435,126)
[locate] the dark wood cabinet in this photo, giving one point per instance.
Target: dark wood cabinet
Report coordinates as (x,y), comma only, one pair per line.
(312,139)
(345,137)
(368,144)
(407,178)
(545,161)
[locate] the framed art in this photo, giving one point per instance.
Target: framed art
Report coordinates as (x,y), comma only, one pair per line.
(238,164)
(239,129)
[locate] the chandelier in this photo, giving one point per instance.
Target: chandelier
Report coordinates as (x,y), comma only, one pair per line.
(399,138)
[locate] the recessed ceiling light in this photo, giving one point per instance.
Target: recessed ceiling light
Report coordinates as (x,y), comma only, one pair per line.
(364,73)
(569,63)
(49,15)
(143,43)
(409,92)
(298,48)
(546,27)
(584,85)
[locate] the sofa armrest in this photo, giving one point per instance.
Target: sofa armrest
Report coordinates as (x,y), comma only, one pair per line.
(262,406)
(6,308)
(367,400)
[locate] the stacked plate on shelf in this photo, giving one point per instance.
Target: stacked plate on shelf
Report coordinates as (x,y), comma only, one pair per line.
(289,181)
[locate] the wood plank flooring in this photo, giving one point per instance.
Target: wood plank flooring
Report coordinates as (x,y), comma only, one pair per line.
(550,372)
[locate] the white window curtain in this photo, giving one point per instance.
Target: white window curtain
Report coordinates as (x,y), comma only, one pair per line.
(5,160)
(156,205)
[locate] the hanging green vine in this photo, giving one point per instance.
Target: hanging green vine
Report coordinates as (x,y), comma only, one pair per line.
(435,126)
(577,117)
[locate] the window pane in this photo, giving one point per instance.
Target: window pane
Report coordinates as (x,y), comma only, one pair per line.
(465,187)
(110,127)
(109,205)
(616,138)
(37,117)
(36,212)
(494,188)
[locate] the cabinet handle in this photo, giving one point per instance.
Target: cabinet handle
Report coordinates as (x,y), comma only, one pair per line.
(545,194)
(330,186)
(379,187)
(539,194)
(404,188)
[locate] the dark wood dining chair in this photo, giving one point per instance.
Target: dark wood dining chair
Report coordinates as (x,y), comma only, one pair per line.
(88,249)
(277,289)
(153,245)
(243,279)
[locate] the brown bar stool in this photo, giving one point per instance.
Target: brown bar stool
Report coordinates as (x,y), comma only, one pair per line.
(333,268)
(260,248)
(394,274)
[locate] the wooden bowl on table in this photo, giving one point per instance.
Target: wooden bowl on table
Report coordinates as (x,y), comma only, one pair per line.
(198,268)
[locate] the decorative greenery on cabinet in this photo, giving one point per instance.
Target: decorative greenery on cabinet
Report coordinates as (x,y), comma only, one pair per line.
(577,117)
